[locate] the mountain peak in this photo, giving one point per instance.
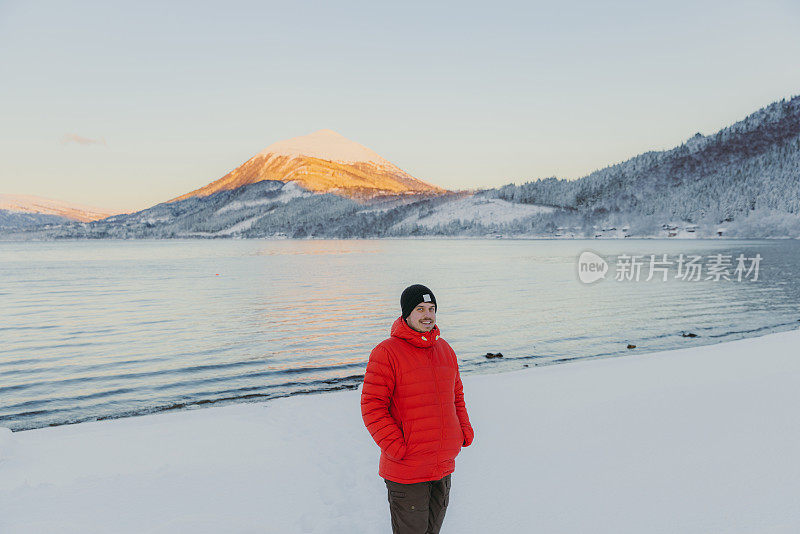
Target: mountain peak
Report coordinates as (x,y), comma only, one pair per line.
(325,133)
(324,144)
(323,161)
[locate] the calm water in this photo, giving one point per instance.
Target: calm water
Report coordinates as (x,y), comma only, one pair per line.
(92,330)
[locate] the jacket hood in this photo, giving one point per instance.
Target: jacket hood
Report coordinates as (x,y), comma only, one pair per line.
(419,339)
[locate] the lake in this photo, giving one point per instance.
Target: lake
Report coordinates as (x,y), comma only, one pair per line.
(102,329)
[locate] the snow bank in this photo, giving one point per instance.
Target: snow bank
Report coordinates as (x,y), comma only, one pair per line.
(696,440)
(6,444)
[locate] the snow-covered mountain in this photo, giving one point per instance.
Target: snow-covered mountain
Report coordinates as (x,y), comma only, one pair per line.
(322,162)
(745,177)
(29,204)
(743,181)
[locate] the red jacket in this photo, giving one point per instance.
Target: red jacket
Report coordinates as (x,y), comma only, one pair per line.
(412,403)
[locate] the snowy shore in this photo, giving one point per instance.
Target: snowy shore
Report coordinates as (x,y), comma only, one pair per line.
(695,440)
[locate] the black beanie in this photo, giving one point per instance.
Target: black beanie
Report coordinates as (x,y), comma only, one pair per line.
(413,295)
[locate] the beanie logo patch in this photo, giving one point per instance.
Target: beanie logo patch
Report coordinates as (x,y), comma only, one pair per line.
(426,298)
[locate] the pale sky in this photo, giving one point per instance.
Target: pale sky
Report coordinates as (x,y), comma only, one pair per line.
(124,105)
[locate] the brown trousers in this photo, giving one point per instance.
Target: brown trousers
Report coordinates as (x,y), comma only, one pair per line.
(418,508)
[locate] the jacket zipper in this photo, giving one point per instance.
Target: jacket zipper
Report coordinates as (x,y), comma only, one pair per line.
(439,400)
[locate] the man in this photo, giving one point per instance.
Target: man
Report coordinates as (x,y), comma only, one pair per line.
(412,403)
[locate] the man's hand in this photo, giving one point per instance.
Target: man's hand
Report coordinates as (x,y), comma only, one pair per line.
(469,435)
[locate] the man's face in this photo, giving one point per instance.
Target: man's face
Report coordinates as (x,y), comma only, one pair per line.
(423,317)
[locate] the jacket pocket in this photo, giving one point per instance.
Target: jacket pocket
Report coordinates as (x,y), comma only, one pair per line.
(408,436)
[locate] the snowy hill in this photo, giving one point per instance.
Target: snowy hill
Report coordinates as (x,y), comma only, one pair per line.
(472,210)
(746,176)
(271,206)
(45,206)
(21,219)
(323,162)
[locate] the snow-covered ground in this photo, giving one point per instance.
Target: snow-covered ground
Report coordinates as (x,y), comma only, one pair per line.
(698,440)
(473,208)
(288,192)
